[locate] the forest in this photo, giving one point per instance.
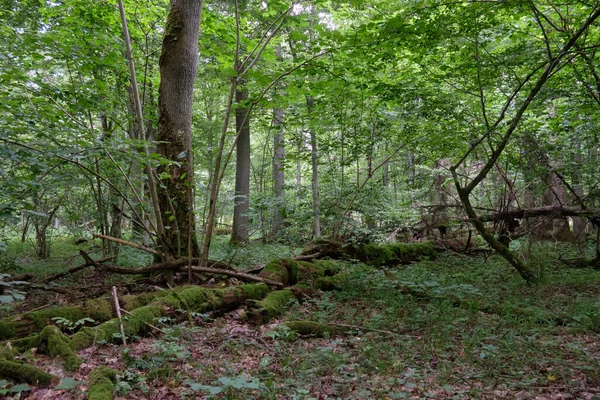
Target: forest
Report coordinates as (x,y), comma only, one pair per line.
(299,199)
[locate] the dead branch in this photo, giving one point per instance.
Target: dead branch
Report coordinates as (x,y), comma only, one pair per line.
(77,268)
(127,243)
(552,211)
(181,263)
(239,275)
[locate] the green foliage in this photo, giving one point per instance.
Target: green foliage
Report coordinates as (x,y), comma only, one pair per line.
(8,389)
(231,387)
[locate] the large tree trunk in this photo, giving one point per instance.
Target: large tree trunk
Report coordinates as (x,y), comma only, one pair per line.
(178,66)
(240,230)
(278,173)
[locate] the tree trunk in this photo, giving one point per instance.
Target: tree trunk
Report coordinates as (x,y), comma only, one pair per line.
(278,172)
(178,66)
(579,224)
(240,229)
(315,174)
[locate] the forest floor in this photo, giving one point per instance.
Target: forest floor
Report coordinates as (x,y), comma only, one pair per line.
(480,333)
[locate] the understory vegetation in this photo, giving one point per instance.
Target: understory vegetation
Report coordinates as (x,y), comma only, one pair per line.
(469,327)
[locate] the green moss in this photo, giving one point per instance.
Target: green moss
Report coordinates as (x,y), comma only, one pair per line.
(376,254)
(86,337)
(44,317)
(22,372)
(276,271)
(271,306)
(335,282)
(101,383)
(328,267)
(7,329)
(55,343)
(254,291)
(98,309)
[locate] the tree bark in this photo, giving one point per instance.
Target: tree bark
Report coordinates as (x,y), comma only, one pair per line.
(240,231)
(178,66)
(315,174)
(278,172)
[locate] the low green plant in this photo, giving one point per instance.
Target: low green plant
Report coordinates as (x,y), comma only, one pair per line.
(71,326)
(8,389)
(230,387)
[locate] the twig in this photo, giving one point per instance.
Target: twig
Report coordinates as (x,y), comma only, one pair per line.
(118,309)
(150,325)
(127,243)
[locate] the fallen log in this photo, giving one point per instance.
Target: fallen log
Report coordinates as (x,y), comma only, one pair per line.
(376,254)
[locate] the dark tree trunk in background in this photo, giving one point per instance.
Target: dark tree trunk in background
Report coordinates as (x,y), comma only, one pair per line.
(278,172)
(240,229)
(178,64)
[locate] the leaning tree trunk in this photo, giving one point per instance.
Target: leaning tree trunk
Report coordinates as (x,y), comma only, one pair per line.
(178,65)
(240,229)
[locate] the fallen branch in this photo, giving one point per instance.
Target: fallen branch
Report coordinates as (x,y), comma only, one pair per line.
(127,243)
(239,275)
(540,212)
(75,269)
(118,309)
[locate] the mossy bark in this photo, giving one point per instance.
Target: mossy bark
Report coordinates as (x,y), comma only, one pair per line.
(102,383)
(290,272)
(22,372)
(271,306)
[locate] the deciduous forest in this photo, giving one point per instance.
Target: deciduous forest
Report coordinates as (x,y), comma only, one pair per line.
(299,199)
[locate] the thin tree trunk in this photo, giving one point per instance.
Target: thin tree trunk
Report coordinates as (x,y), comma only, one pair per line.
(278,172)
(315,173)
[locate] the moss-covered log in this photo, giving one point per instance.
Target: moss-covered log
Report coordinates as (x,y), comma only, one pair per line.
(102,383)
(23,372)
(290,272)
(310,328)
(376,254)
(271,306)
(35,321)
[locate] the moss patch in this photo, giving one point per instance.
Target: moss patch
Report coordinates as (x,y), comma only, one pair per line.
(27,373)
(54,343)
(271,306)
(101,383)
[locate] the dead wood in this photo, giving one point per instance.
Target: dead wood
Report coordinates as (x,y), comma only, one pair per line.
(581,262)
(240,275)
(127,243)
(78,267)
(19,278)
(551,211)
